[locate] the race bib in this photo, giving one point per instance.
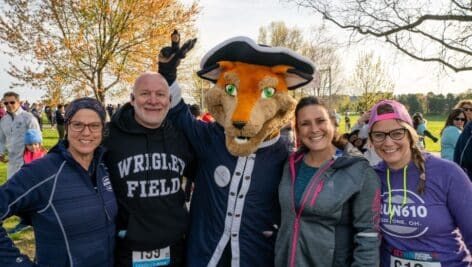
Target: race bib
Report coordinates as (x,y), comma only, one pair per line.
(157,257)
(400,262)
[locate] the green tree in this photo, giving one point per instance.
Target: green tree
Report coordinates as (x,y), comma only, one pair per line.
(412,102)
(451,101)
(436,103)
(88,47)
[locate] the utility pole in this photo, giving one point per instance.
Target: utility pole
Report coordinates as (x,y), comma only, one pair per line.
(329,88)
(328,69)
(201,94)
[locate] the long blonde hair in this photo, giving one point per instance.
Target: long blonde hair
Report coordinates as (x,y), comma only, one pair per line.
(416,155)
(463,102)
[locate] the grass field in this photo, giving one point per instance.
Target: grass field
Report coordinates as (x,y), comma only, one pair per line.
(25,239)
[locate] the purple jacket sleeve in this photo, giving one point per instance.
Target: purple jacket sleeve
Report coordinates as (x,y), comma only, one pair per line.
(459,199)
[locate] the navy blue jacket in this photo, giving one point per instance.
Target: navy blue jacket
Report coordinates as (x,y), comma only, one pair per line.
(72,220)
(463,150)
(235,201)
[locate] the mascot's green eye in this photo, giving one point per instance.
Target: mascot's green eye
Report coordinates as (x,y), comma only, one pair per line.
(231,89)
(268,92)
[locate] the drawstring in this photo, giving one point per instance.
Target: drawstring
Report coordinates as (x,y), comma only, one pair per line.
(389,187)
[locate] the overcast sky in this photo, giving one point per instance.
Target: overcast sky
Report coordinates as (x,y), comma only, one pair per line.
(223,19)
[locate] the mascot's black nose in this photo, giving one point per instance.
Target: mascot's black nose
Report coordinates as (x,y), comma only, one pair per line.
(239,124)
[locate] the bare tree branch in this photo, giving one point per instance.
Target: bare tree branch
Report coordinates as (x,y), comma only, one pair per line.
(426,30)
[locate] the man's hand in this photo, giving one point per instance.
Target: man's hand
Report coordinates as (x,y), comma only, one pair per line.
(170,56)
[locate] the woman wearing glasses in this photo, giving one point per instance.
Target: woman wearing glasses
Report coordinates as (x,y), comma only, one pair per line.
(68,197)
(425,200)
(466,105)
(450,133)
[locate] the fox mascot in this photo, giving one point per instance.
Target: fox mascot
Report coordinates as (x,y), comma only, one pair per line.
(234,210)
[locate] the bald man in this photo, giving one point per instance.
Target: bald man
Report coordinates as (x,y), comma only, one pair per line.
(147,158)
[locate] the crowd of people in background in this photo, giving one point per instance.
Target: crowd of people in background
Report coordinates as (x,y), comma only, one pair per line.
(54,114)
(356,134)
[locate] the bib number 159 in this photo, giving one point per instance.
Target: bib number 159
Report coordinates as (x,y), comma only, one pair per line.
(150,254)
(152,258)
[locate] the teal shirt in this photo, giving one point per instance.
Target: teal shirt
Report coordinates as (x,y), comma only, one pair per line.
(421,128)
(449,138)
(304,175)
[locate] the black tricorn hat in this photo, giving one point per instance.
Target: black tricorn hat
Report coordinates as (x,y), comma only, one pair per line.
(244,49)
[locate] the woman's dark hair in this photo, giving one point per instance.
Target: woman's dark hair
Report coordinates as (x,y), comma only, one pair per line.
(417,119)
(450,119)
(338,141)
(385,109)
(195,110)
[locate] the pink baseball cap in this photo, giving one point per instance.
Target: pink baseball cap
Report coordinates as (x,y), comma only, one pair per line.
(399,113)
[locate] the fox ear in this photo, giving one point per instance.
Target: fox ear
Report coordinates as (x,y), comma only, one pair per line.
(213,72)
(293,78)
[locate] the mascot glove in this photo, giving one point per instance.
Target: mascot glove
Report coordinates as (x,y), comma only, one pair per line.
(176,94)
(169,57)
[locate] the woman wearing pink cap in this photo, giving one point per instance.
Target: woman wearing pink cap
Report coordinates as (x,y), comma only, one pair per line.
(425,200)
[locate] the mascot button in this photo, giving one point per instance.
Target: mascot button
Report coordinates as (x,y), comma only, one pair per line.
(222,176)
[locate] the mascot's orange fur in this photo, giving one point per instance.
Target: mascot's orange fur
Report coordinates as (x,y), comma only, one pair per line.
(251,102)
(234,209)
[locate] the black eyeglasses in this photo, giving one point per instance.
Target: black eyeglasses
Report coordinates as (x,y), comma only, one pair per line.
(78,126)
(459,119)
(467,109)
(9,102)
(396,134)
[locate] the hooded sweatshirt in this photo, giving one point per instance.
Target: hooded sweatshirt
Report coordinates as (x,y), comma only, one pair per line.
(336,222)
(146,168)
(420,229)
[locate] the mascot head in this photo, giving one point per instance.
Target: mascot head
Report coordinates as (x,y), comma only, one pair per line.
(250,98)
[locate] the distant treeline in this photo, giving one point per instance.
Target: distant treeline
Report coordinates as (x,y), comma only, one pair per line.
(430,103)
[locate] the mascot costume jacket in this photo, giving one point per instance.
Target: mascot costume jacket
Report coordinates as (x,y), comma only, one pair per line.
(234,210)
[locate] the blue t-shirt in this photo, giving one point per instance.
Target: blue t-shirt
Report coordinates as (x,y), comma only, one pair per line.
(421,128)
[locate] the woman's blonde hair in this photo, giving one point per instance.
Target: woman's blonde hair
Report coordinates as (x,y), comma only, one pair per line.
(463,102)
(416,155)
